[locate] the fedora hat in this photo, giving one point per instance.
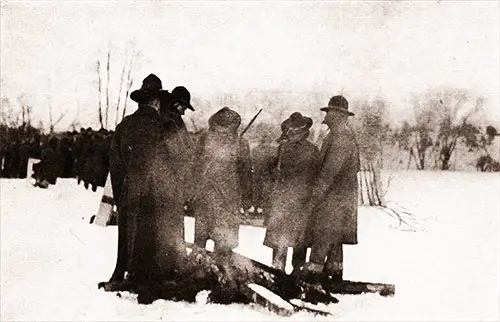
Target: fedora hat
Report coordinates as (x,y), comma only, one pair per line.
(151,85)
(297,121)
(294,125)
(338,103)
(182,95)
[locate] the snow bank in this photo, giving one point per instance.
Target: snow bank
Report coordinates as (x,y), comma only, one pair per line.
(52,259)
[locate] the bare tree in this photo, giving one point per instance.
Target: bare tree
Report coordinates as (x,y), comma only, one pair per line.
(372,129)
(53,123)
(98,69)
(130,80)
(9,116)
(455,110)
(417,137)
(26,109)
(107,87)
(75,124)
(120,91)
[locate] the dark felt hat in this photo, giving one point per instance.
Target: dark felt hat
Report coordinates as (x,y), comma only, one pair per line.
(182,95)
(295,124)
(297,121)
(338,103)
(151,86)
(225,117)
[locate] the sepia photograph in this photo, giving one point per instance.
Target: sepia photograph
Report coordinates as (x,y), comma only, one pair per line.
(250,160)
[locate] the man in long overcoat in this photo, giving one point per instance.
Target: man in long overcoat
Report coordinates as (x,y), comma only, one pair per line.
(173,107)
(132,148)
(293,172)
(224,181)
(170,173)
(335,194)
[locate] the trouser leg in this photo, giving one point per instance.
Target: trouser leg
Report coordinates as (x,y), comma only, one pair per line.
(279,257)
(299,256)
(319,251)
(335,261)
(334,264)
(200,233)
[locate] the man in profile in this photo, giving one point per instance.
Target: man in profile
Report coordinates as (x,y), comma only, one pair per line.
(335,196)
(173,106)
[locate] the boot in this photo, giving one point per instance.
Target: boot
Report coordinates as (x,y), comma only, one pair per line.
(310,272)
(333,276)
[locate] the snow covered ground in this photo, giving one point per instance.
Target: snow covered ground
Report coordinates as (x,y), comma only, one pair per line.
(52,259)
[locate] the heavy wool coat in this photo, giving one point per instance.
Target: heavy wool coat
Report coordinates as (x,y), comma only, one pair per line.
(170,172)
(223,186)
(263,158)
(148,231)
(289,213)
(335,193)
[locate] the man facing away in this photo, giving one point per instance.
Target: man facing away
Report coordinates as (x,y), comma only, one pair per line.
(132,147)
(224,182)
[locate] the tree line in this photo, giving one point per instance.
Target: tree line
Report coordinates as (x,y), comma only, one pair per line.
(444,131)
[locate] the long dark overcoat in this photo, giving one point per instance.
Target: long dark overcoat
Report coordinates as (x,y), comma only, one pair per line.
(169,176)
(133,146)
(290,212)
(223,187)
(335,193)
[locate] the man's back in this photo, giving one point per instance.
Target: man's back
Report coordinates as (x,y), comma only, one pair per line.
(135,136)
(132,146)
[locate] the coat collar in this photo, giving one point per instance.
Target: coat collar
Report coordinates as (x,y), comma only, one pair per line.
(146,110)
(325,146)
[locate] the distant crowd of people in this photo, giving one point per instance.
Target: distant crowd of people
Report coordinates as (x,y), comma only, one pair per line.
(83,155)
(159,171)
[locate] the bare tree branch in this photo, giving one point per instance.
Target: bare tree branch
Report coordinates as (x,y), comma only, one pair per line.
(100,92)
(130,81)
(107,87)
(120,90)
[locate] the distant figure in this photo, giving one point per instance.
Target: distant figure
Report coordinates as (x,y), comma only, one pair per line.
(294,170)
(24,154)
(335,195)
(223,182)
(99,159)
(47,170)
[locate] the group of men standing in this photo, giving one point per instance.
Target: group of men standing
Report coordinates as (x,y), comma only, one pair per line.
(159,172)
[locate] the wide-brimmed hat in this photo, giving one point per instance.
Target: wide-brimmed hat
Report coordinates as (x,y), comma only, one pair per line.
(182,95)
(295,124)
(338,103)
(297,121)
(151,85)
(225,117)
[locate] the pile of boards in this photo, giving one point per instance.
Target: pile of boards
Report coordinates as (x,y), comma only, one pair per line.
(239,279)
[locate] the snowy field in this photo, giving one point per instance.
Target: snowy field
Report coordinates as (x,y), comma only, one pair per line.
(52,259)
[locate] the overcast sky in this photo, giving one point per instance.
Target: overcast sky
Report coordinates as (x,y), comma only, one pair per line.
(390,48)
